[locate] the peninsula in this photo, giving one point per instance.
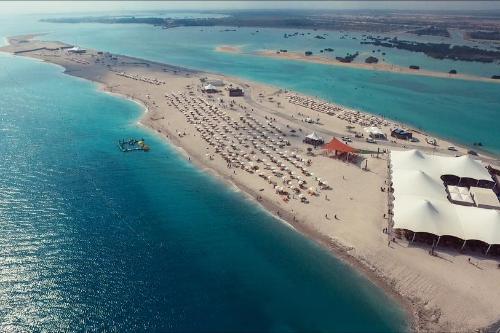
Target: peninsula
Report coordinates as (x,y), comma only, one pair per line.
(370,65)
(267,142)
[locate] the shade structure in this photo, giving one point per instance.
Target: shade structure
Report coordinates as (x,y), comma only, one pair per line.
(375,132)
(421,199)
(209,87)
(337,145)
(314,136)
(437,166)
(441,218)
(485,198)
(314,139)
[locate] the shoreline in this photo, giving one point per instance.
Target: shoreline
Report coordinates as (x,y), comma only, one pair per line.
(416,311)
(339,251)
(379,67)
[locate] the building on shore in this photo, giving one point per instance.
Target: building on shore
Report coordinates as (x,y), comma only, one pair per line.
(444,200)
(236,92)
(401,134)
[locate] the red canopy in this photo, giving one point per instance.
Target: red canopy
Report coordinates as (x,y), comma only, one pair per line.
(338,145)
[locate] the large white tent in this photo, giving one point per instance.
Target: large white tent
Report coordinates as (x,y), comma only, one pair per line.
(437,166)
(421,203)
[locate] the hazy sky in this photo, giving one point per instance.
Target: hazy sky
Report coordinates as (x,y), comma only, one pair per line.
(94,6)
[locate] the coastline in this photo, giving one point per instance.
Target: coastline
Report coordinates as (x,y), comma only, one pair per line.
(380,67)
(338,250)
(418,313)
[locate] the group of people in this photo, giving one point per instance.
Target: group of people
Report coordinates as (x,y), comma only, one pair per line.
(252,144)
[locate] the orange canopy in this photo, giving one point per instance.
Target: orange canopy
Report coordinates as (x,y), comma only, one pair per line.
(338,145)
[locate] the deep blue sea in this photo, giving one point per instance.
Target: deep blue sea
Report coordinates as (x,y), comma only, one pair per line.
(94,239)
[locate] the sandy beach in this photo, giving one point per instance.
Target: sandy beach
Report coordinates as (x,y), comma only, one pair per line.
(228,48)
(255,143)
(380,66)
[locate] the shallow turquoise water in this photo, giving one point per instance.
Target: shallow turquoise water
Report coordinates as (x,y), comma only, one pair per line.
(91,238)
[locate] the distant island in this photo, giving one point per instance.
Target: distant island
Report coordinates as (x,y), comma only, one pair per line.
(431,31)
(483,35)
(418,24)
(437,50)
(373,21)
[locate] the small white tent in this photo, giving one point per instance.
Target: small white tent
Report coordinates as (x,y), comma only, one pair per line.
(375,132)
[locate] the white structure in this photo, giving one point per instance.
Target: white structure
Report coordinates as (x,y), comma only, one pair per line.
(210,88)
(314,136)
(421,200)
(459,195)
(76,49)
(375,132)
(485,197)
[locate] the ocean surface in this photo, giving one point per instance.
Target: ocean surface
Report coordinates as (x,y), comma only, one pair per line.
(95,239)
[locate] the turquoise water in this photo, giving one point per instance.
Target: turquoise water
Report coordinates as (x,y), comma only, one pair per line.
(94,239)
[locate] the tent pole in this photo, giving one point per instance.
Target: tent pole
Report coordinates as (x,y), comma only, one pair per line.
(488,250)
(414,234)
(459,181)
(439,238)
(465,241)
(477,184)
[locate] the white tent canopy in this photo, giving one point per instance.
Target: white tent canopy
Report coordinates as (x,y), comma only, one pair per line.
(463,166)
(374,131)
(421,203)
(76,49)
(485,197)
(441,218)
(314,136)
(210,87)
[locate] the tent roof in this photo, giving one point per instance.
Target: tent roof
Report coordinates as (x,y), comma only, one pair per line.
(210,87)
(421,202)
(416,182)
(485,197)
(437,166)
(441,218)
(314,136)
(336,144)
(374,130)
